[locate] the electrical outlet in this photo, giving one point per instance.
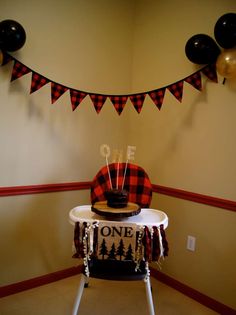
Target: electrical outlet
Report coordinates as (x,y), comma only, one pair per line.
(191,243)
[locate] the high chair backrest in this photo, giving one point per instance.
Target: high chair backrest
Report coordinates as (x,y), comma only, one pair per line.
(128,176)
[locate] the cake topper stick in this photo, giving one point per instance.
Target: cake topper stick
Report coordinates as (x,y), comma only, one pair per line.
(130,156)
(124,174)
(105,151)
(117,175)
(108,170)
(118,166)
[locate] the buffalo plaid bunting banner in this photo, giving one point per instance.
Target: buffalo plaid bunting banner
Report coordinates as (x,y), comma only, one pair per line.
(147,242)
(195,80)
(137,100)
(164,241)
(210,72)
(158,96)
(177,90)
(78,241)
(155,248)
(37,82)
(76,98)
(119,102)
(19,70)
(98,101)
(56,91)
(104,248)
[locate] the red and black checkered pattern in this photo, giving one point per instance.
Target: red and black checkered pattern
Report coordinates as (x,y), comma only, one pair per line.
(151,243)
(56,91)
(119,102)
(210,72)
(19,70)
(158,97)
(98,101)
(137,183)
(37,82)
(177,90)
(76,98)
(137,100)
(195,80)
(164,241)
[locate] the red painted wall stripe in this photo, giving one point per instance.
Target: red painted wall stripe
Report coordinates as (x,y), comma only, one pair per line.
(38,281)
(46,188)
(173,192)
(191,196)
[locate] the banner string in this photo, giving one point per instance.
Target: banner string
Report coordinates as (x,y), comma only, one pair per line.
(119,101)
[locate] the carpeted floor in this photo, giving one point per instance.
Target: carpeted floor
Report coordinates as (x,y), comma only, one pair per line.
(100,298)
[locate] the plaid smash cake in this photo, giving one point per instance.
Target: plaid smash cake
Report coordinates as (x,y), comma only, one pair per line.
(116,198)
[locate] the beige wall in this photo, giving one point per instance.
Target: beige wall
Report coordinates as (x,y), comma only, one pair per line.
(116,47)
(83,45)
(188,145)
(36,237)
(210,269)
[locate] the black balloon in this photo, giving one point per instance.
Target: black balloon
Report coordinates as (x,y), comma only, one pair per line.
(202,49)
(12,35)
(225,30)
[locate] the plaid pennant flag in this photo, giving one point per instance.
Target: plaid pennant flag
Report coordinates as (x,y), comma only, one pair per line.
(76,98)
(137,100)
(19,70)
(177,89)
(210,72)
(5,58)
(56,91)
(37,82)
(98,101)
(119,102)
(157,96)
(195,80)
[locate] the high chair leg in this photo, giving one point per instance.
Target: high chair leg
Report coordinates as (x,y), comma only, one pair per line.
(149,296)
(83,282)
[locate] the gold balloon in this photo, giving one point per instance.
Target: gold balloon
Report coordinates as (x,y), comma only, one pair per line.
(1,57)
(226,63)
